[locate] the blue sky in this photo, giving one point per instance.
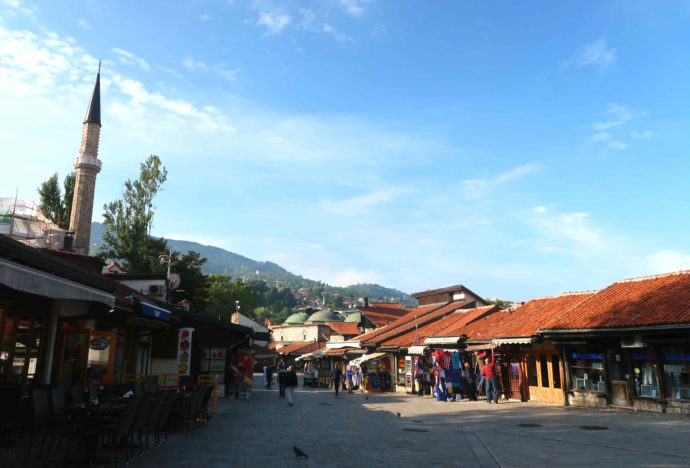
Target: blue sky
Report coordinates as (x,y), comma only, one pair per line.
(519,148)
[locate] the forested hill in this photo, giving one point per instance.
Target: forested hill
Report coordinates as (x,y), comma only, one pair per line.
(222,261)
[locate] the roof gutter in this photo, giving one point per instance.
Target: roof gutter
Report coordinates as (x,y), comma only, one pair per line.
(614,329)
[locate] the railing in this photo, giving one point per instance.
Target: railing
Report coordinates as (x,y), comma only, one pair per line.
(133,378)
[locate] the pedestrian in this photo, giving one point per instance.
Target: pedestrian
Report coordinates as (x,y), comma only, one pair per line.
(290,380)
(265,375)
(471,383)
(281,380)
(336,375)
(269,377)
(489,374)
(348,378)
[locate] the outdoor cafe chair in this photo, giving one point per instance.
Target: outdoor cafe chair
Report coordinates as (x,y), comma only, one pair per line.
(154,417)
(165,418)
(77,394)
(115,432)
(48,424)
(139,422)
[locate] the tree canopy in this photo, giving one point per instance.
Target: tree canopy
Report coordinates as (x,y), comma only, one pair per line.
(55,205)
(128,221)
(223,294)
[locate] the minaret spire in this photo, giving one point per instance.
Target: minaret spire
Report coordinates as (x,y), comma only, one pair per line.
(87,166)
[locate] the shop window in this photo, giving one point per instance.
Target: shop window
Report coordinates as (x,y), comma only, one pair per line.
(556,371)
(676,375)
(544,367)
(99,360)
(587,371)
(532,371)
(20,341)
(645,368)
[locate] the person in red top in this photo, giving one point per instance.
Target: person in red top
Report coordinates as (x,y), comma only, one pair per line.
(490,379)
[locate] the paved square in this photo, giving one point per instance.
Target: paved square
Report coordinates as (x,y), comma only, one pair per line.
(354,430)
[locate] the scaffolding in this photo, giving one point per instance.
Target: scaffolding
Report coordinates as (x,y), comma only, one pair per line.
(22,220)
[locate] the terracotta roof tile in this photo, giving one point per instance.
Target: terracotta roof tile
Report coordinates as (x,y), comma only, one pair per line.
(440,322)
(382,313)
(636,302)
(345,328)
(301,347)
(539,313)
(391,327)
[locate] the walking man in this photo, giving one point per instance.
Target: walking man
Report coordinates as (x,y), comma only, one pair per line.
(290,380)
(489,374)
(281,380)
(336,375)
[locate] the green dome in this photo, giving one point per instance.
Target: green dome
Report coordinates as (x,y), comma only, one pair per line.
(325,316)
(354,318)
(299,317)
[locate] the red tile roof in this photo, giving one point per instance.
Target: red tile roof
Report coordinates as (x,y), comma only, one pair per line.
(637,302)
(405,319)
(484,328)
(301,347)
(382,313)
(539,313)
(445,318)
(345,328)
(418,320)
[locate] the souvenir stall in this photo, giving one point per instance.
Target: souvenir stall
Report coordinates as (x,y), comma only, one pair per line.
(376,371)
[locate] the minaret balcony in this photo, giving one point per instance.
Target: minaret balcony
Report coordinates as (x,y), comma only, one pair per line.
(87,161)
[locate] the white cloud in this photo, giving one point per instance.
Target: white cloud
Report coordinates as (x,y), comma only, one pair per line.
(595,53)
(617,116)
(354,7)
(84,24)
(340,37)
(667,261)
(229,75)
(364,203)
(617,145)
(474,188)
(128,58)
(204,17)
(193,65)
(643,135)
(601,136)
(274,22)
(572,228)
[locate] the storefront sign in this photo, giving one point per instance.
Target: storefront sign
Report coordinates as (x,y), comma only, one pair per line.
(100,343)
(184,351)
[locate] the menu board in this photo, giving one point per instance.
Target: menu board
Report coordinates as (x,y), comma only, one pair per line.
(213,362)
(184,351)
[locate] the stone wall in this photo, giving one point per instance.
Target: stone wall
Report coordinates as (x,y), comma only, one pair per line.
(587,399)
(678,406)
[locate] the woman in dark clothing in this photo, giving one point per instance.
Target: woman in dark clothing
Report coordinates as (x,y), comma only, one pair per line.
(290,379)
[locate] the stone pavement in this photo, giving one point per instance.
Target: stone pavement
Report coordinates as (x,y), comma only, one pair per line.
(353,431)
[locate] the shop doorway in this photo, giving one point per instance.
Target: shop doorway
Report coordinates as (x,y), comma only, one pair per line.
(71,356)
(544,376)
(515,380)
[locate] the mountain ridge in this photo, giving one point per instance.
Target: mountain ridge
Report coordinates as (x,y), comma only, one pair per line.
(221,261)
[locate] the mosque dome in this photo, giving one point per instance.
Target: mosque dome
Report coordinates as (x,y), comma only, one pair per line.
(296,318)
(325,316)
(355,317)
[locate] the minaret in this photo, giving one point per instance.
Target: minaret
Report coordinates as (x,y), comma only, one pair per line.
(87,166)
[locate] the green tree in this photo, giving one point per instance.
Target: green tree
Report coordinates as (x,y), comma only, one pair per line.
(223,293)
(193,281)
(128,222)
(53,204)
(499,302)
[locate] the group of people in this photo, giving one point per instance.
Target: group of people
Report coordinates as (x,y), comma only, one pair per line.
(287,381)
(351,380)
(448,377)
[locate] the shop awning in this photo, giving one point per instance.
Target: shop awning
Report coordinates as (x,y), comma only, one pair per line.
(443,340)
(29,280)
(480,347)
(416,349)
(369,357)
(152,310)
(514,340)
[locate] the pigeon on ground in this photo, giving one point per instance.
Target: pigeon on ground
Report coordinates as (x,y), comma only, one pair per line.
(298,452)
(398,414)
